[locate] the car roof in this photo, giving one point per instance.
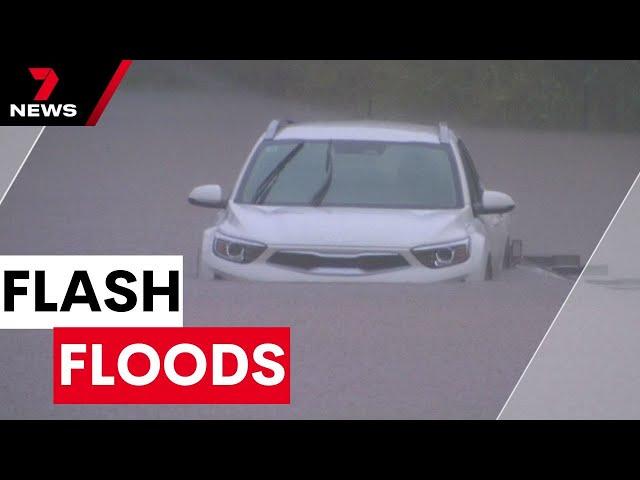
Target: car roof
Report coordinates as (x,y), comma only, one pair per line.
(360,130)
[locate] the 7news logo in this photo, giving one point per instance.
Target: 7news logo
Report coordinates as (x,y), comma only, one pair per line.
(49,81)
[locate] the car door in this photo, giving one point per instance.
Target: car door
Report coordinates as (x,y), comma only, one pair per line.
(495,224)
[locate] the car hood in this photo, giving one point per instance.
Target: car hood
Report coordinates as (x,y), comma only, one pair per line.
(343,226)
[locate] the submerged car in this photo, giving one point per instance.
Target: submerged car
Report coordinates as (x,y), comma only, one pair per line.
(356,202)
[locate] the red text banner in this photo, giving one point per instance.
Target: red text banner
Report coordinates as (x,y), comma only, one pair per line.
(194,365)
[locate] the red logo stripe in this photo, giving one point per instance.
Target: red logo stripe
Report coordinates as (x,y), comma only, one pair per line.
(49,81)
(108,92)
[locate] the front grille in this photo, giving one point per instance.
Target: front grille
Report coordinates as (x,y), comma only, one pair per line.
(367,262)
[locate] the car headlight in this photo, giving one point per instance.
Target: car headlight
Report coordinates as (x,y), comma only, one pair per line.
(444,254)
(236,250)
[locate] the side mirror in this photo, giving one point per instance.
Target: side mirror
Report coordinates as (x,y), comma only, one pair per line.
(495,202)
(209,196)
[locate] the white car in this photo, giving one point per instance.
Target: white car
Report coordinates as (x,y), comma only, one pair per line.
(356,202)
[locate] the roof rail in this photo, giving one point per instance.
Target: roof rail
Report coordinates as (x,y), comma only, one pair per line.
(274,126)
(444,133)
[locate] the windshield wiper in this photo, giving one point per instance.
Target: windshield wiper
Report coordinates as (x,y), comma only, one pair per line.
(318,197)
(265,186)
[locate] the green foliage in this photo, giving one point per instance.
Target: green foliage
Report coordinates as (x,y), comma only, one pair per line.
(589,95)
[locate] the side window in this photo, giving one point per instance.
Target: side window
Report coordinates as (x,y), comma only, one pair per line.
(475,187)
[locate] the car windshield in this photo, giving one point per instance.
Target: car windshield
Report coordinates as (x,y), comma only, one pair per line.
(352,173)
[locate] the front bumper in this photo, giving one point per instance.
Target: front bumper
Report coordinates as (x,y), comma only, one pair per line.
(411,272)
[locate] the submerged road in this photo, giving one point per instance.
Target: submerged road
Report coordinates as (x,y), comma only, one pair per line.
(358,351)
